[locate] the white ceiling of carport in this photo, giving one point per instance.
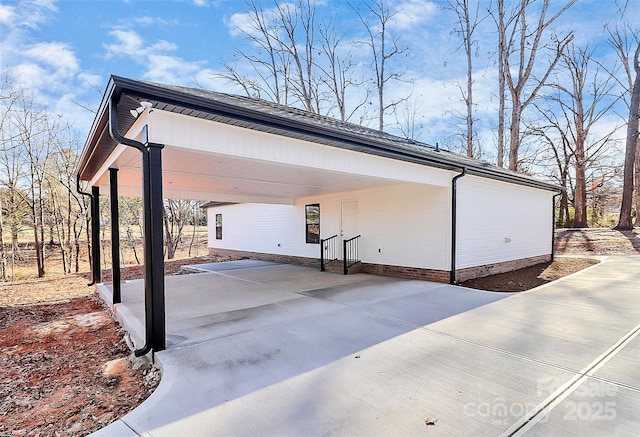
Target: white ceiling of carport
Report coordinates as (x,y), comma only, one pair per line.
(191,174)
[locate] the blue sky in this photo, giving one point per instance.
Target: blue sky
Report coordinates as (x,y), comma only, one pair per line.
(65,50)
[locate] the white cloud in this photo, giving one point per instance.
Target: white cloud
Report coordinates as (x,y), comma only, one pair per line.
(244,23)
(200,3)
(411,13)
(170,69)
(156,59)
(50,70)
(29,75)
(238,23)
(151,21)
(55,55)
(89,80)
(128,43)
(34,13)
(7,14)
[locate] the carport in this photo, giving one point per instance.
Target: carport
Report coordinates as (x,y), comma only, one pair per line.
(149,140)
(160,141)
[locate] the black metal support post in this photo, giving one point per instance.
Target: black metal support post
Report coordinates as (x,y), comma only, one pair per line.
(152,205)
(115,236)
(155,262)
(153,250)
(454,231)
(95,234)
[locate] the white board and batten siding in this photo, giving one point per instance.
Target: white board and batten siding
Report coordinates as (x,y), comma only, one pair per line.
(400,224)
(500,222)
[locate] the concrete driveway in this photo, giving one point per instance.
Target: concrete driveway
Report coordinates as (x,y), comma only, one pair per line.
(263,349)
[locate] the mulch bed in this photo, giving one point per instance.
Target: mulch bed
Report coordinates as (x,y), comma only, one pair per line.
(530,277)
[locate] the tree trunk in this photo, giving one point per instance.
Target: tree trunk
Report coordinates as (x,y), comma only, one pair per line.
(637,182)
(580,200)
(501,81)
(631,150)
(167,236)
(38,248)
(3,255)
(514,137)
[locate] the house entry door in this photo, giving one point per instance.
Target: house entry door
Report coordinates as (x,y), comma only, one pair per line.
(348,222)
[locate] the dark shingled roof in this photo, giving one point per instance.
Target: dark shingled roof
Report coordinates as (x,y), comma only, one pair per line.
(262,115)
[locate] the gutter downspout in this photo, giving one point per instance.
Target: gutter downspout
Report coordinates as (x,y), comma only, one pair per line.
(553,226)
(90,196)
(150,276)
(454,183)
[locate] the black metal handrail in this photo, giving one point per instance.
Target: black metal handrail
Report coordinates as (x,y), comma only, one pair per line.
(328,251)
(350,253)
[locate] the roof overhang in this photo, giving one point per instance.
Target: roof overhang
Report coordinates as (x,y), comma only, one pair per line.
(265,117)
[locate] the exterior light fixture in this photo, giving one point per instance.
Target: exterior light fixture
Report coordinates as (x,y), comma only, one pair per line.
(139,110)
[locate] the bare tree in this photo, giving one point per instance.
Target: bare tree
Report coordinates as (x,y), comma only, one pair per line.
(582,102)
(338,73)
(384,48)
(32,134)
(408,121)
(502,51)
(281,54)
(556,142)
(466,22)
(266,61)
(624,43)
(177,214)
(522,42)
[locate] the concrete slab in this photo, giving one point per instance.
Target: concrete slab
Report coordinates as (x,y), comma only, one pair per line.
(287,350)
(229,265)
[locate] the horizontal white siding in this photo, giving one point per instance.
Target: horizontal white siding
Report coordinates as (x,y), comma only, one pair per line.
(265,228)
(209,136)
(500,222)
(402,224)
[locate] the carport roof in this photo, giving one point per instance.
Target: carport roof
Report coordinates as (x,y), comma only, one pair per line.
(265,116)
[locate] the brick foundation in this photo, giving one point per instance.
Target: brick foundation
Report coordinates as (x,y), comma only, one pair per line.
(493,269)
(285,259)
(406,272)
(395,271)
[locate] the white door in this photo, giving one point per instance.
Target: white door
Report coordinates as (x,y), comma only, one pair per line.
(348,221)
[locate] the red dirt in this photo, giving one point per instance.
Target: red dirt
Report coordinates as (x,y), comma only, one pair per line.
(54,361)
(66,369)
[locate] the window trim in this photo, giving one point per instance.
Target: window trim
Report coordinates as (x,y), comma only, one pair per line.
(218,224)
(315,237)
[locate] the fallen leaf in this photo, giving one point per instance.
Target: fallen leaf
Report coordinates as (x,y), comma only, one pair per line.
(430,421)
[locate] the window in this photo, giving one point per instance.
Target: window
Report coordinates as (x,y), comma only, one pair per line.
(312,218)
(218,226)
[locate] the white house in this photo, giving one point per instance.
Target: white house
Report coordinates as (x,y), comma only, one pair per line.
(284,181)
